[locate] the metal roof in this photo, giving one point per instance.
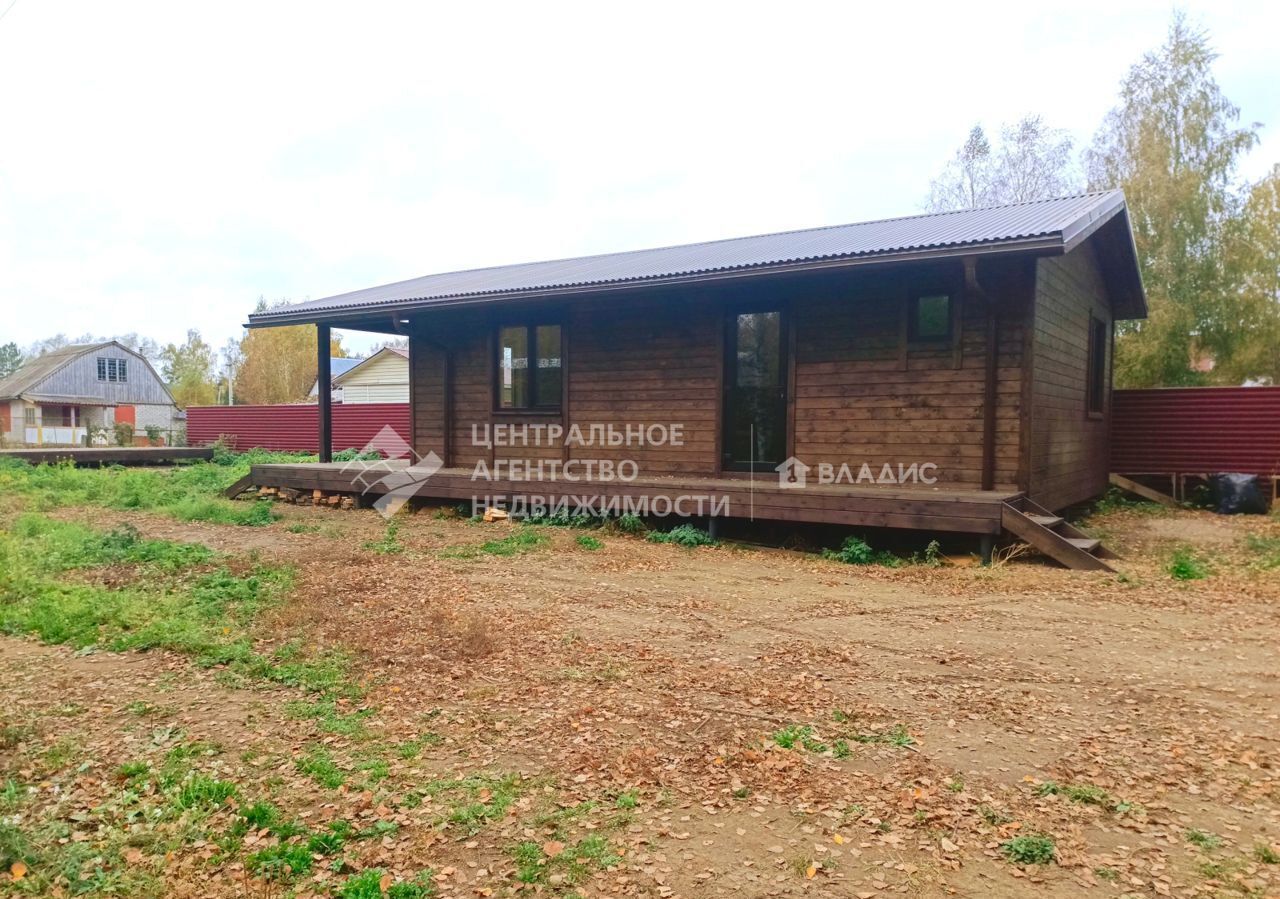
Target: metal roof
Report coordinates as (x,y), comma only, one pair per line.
(36,370)
(1056,225)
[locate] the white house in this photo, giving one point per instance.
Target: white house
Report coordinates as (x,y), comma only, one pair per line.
(382,378)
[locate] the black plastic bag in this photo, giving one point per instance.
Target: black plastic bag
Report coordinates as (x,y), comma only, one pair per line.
(1238,494)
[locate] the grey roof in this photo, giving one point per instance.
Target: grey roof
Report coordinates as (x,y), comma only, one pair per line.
(35,370)
(1051,225)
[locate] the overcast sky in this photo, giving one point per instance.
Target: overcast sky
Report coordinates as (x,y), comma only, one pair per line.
(162,165)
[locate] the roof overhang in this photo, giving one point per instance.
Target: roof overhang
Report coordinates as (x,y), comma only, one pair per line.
(410,304)
(1046,227)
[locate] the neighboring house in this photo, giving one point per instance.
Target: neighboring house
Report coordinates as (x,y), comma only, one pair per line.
(72,395)
(976,342)
(382,378)
(337,366)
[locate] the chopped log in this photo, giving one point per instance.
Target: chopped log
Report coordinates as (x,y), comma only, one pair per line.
(239,487)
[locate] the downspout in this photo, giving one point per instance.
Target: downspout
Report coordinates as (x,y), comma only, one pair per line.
(974,289)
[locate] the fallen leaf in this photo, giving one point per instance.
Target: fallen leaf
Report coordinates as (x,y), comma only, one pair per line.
(552,848)
(17,870)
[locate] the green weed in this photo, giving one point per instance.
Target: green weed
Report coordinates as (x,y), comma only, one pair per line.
(586,541)
(1030,849)
(518,542)
(683,535)
(319,765)
(389,544)
(368,885)
(204,792)
(1186,565)
(1203,839)
(856,551)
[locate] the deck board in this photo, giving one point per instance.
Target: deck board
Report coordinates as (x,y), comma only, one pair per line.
(108,455)
(922,508)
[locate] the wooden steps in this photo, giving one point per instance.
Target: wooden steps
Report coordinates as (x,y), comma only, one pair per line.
(1055,537)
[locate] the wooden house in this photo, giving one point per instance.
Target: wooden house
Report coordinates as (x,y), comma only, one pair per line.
(946,372)
(75,396)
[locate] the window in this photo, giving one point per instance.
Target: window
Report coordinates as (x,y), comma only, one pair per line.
(1097,397)
(29,416)
(113,369)
(530,371)
(930,317)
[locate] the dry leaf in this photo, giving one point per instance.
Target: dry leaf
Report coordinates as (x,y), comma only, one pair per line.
(18,870)
(552,848)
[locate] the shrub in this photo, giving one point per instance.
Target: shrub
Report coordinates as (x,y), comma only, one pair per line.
(856,551)
(1030,849)
(153,434)
(684,535)
(629,524)
(586,541)
(123,433)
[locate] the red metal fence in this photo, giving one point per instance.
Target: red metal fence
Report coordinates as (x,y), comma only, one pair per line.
(1196,430)
(294,427)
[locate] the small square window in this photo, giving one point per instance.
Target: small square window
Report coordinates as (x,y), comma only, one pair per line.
(930,317)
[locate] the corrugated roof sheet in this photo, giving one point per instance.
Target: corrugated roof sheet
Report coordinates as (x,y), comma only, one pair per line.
(35,370)
(1062,219)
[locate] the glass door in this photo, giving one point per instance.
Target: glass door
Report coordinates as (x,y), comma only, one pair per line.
(755,392)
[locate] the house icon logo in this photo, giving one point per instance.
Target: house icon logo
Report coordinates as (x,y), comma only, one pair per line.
(792,474)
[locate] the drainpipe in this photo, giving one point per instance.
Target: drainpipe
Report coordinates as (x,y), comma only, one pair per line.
(973,289)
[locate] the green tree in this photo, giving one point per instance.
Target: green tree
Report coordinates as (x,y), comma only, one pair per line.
(10,359)
(1253,253)
(1173,145)
(1031,162)
(188,368)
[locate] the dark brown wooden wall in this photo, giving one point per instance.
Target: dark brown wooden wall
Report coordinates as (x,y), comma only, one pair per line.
(865,394)
(861,392)
(1068,448)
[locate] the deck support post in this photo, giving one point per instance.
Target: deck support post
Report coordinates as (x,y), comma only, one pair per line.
(324,391)
(713,527)
(985,547)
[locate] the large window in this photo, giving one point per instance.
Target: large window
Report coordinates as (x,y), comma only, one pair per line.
(113,369)
(930,318)
(530,369)
(1098,333)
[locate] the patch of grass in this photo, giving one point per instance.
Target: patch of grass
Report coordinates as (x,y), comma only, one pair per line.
(283,861)
(518,542)
(1110,875)
(61,546)
(319,765)
(368,885)
(411,749)
(856,551)
(1085,794)
(628,799)
(204,792)
(1187,565)
(329,718)
(1266,853)
(477,799)
(1267,549)
(300,527)
(1117,500)
(1029,849)
(586,541)
(798,735)
(685,535)
(898,735)
(1203,839)
(573,864)
(390,543)
(185,492)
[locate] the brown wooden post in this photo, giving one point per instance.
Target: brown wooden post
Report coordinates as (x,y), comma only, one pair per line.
(991,370)
(324,390)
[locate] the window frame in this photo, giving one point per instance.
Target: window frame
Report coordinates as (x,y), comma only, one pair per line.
(913,318)
(112,370)
(1096,380)
(530,327)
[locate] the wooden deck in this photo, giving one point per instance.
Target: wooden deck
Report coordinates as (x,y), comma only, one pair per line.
(922,508)
(108,455)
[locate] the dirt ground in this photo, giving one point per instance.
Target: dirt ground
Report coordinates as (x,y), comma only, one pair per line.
(641,692)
